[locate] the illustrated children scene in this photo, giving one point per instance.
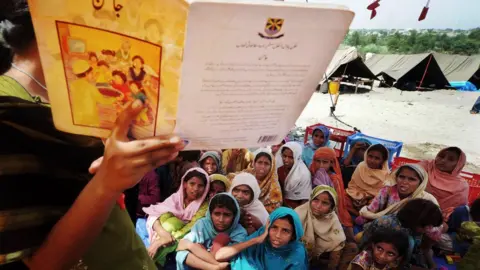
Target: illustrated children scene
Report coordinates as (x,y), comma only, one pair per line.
(105,71)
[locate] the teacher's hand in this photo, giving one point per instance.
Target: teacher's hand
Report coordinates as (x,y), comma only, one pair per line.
(125,162)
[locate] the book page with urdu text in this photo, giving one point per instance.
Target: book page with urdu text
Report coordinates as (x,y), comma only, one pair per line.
(99,55)
(249,69)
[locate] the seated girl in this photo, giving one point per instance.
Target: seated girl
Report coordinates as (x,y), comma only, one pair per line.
(323,231)
(210,162)
(414,219)
(409,182)
(358,147)
(218,184)
(320,138)
(236,160)
(444,180)
(265,172)
(219,228)
(387,249)
(275,246)
(293,175)
(326,159)
(246,191)
(367,180)
(172,219)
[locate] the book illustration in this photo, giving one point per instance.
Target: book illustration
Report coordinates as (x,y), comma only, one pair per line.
(272,28)
(104,71)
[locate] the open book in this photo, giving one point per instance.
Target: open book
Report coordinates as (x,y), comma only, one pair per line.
(220,74)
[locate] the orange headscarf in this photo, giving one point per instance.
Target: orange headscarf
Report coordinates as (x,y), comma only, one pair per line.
(328,153)
(450,189)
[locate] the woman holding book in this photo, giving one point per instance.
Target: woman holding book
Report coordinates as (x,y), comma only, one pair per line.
(171,220)
(45,171)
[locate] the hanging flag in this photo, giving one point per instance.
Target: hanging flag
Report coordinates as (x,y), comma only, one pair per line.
(423,15)
(373,6)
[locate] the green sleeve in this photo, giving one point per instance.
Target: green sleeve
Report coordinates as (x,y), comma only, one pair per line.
(202,211)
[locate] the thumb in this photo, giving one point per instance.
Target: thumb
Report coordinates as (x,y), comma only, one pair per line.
(95,165)
(125,119)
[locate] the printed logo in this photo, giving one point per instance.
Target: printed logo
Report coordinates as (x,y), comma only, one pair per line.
(272,29)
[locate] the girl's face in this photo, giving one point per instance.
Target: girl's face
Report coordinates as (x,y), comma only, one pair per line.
(407,182)
(222,218)
(209,165)
(446,161)
(318,138)
(287,157)
(375,160)
(243,194)
(384,254)
(323,164)
(280,233)
(137,63)
(93,60)
(118,80)
(215,188)
(321,204)
(262,167)
(194,188)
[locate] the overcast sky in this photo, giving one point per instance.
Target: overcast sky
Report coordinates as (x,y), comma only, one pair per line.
(456,14)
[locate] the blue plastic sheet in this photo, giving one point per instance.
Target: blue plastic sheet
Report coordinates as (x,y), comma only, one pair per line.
(464,86)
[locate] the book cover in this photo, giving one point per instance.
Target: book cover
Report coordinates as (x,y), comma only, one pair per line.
(100,54)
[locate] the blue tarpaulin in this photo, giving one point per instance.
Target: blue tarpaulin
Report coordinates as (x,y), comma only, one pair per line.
(464,86)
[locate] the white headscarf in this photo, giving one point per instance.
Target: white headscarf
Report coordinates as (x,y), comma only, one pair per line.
(255,207)
(298,184)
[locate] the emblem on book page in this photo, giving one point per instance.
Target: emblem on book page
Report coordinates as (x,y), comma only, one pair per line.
(272,29)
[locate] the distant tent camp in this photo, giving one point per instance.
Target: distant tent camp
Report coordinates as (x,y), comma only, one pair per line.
(460,67)
(408,71)
(348,62)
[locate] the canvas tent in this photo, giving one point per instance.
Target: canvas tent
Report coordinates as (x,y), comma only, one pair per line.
(460,67)
(417,70)
(347,61)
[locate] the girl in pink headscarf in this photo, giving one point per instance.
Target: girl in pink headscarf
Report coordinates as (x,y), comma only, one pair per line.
(172,219)
(444,180)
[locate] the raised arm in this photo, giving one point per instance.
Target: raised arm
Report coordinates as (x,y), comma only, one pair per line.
(123,165)
(226,253)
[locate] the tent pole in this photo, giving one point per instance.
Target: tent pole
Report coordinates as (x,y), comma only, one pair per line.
(425,73)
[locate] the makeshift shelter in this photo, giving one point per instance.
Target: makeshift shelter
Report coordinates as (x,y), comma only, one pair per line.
(408,71)
(348,62)
(460,67)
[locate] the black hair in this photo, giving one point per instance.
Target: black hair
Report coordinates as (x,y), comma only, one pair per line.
(475,210)
(290,220)
(381,149)
(313,133)
(408,168)
(285,148)
(398,239)
(455,150)
(16,30)
(263,154)
(419,213)
(223,200)
(197,174)
(331,200)
(189,155)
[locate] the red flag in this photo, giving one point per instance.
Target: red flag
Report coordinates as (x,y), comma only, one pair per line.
(373,6)
(424,13)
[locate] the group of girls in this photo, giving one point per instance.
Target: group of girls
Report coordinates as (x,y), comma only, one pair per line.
(289,206)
